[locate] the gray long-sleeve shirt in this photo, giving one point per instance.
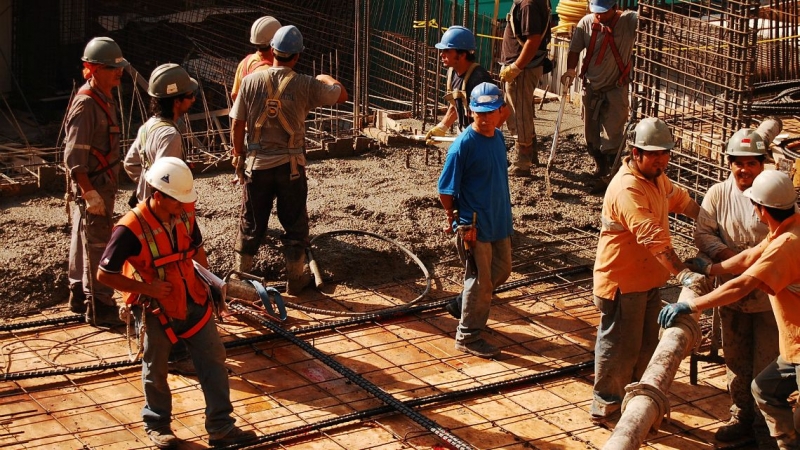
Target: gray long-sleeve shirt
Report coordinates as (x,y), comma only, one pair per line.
(727,219)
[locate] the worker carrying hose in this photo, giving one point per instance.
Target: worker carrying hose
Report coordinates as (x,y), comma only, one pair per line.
(91,160)
(150,259)
(727,225)
(524,60)
(272,106)
(607,35)
(635,257)
(771,266)
(457,51)
(474,182)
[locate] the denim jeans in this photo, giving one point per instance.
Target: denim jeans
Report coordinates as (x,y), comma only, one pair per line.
(208,356)
(627,336)
(492,266)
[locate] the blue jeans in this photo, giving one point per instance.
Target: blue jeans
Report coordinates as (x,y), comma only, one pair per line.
(492,268)
(208,356)
(771,390)
(627,336)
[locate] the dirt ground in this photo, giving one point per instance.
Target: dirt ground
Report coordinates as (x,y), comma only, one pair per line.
(375,192)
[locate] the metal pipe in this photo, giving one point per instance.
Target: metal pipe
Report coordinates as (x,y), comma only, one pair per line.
(645,403)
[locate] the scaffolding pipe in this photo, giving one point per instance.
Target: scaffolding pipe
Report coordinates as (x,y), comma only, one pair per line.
(646,403)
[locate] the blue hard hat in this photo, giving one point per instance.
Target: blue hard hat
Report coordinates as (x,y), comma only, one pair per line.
(287,41)
(457,37)
(485,97)
(601,6)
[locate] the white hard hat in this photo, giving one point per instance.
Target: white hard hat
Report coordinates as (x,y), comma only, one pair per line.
(772,188)
(746,142)
(173,177)
(652,134)
(263,29)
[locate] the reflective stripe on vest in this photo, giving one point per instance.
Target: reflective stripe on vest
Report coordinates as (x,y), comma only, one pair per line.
(158,260)
(608,41)
(113,130)
(273,110)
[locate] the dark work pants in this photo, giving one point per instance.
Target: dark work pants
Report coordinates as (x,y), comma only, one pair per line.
(263,188)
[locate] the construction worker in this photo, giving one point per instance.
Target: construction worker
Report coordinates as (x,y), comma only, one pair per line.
(474,182)
(272,105)
(525,42)
(635,257)
(151,259)
(91,160)
(727,225)
(607,35)
(457,50)
(772,266)
(261,33)
(172,94)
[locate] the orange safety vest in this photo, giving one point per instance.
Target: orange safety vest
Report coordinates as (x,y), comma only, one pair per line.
(253,62)
(158,259)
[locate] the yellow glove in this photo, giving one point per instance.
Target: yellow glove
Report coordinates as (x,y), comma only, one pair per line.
(567,77)
(94,203)
(438,130)
(509,73)
(237,161)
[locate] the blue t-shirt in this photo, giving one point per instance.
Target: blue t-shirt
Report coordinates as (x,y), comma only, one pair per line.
(475,174)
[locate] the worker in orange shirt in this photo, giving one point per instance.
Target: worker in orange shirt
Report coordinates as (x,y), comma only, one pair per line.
(635,257)
(771,266)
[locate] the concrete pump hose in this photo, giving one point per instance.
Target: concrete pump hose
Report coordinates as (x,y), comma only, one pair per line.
(569,13)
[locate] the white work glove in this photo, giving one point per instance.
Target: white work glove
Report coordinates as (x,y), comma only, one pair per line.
(509,72)
(697,282)
(94,203)
(237,161)
(567,77)
(438,130)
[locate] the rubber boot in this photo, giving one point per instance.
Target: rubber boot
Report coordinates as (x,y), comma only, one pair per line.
(521,166)
(77,298)
(297,278)
(243,263)
(600,160)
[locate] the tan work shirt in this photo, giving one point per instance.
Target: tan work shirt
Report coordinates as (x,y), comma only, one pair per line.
(727,220)
(635,228)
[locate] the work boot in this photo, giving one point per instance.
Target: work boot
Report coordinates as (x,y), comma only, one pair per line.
(600,161)
(610,158)
(163,438)
(599,186)
(235,436)
(77,298)
(734,430)
(479,348)
(454,307)
(243,263)
(104,315)
(297,277)
(521,167)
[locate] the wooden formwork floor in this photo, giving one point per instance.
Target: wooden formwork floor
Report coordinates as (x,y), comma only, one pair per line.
(276,386)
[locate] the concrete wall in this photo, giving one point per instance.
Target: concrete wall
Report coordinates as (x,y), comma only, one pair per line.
(5,46)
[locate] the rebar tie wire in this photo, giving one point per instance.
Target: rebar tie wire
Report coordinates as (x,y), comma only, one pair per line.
(330,325)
